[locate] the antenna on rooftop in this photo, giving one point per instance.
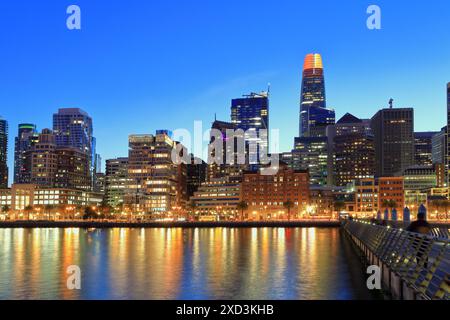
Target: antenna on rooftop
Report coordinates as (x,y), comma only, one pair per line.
(391,103)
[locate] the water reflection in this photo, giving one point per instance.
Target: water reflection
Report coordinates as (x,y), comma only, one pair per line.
(265,263)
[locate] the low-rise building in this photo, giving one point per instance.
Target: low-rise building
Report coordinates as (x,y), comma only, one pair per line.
(216,198)
(266,194)
(366,197)
(391,189)
(21,196)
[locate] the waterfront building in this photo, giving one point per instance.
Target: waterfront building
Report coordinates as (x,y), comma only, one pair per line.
(42,160)
(423,148)
(366,197)
(116,181)
(21,196)
(56,167)
(216,199)
(27,136)
(353,151)
(311,153)
(156,184)
(415,198)
(3,153)
(266,194)
(314,115)
(420,178)
(73,128)
(323,199)
(393,129)
(72,169)
(391,189)
(5,199)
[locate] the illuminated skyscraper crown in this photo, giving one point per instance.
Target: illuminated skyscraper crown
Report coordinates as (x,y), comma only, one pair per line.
(313,64)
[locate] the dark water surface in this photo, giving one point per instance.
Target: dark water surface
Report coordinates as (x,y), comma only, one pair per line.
(264,263)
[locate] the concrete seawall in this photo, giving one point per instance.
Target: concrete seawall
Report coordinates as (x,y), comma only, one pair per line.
(224,224)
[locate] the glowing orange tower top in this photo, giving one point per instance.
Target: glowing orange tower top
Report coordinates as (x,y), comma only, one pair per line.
(313,64)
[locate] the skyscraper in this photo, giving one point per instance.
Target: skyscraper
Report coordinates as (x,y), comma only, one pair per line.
(73,128)
(25,139)
(311,153)
(229,170)
(156,184)
(447,169)
(314,115)
(116,181)
(423,148)
(439,147)
(394,140)
(352,143)
(3,153)
(42,160)
(251,114)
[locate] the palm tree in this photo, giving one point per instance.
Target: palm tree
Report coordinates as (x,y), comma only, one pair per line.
(190,209)
(288,205)
(62,208)
(445,205)
(339,205)
(437,204)
(28,209)
(392,204)
(78,209)
(242,205)
(49,208)
(6,209)
(389,204)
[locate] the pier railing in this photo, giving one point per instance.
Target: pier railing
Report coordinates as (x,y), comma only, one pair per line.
(413,266)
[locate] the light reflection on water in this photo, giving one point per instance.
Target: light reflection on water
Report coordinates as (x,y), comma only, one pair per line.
(264,263)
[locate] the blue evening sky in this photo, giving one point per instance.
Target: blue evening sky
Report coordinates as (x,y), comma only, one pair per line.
(137,66)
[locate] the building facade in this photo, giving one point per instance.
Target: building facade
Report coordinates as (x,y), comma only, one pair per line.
(216,199)
(353,150)
(439,147)
(266,194)
(73,128)
(196,175)
(116,181)
(420,178)
(27,136)
(312,154)
(218,164)
(447,162)
(391,189)
(251,114)
(21,196)
(156,184)
(423,148)
(3,153)
(366,197)
(393,129)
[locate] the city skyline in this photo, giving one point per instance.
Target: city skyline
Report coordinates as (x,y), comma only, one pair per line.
(359,61)
(220,157)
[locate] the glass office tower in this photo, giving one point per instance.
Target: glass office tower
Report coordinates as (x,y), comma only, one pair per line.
(448,140)
(3,153)
(251,113)
(26,137)
(314,115)
(73,128)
